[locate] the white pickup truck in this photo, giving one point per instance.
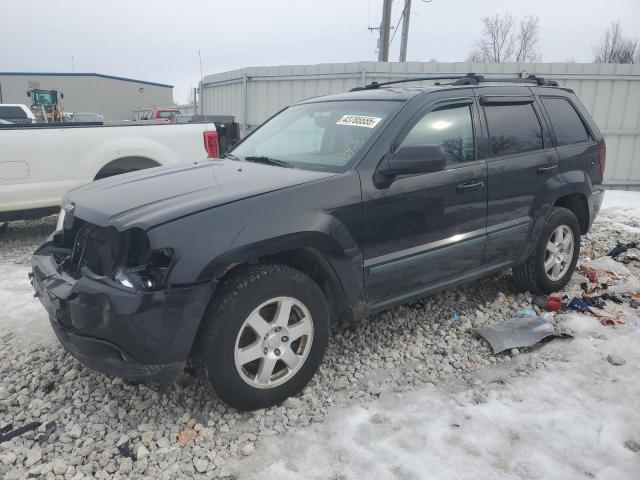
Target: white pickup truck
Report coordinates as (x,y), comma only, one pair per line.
(39,163)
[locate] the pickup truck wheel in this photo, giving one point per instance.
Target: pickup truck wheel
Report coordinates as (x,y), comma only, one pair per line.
(263,337)
(551,264)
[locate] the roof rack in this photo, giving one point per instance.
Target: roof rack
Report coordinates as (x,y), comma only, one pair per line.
(468,79)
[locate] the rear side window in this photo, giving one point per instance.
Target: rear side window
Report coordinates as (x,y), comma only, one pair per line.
(513,128)
(566,122)
(450,127)
(12,112)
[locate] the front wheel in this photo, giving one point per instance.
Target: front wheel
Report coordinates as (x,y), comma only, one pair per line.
(553,261)
(263,337)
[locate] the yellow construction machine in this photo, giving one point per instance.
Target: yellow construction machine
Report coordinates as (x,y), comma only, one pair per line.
(47,105)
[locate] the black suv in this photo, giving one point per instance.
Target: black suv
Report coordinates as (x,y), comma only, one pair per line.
(336,207)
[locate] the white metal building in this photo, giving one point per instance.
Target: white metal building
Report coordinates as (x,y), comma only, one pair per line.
(114,97)
(610,92)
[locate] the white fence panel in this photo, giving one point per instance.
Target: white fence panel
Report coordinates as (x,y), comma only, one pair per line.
(610,92)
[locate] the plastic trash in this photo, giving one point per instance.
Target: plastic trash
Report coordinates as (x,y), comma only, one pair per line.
(551,303)
(628,286)
(607,265)
(577,304)
(517,332)
(454,316)
(526,312)
(621,248)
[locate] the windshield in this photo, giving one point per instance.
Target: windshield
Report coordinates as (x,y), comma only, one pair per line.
(318,136)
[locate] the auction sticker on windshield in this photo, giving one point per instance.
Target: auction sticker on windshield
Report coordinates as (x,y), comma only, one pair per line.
(359,121)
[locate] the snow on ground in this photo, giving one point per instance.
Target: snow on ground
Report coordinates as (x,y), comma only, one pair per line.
(568,420)
(21,314)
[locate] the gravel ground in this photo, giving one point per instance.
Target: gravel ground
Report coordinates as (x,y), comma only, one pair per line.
(112,428)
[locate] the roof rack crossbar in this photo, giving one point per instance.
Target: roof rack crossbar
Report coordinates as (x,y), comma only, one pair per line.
(468,79)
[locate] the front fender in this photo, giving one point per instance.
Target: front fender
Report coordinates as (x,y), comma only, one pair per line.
(208,244)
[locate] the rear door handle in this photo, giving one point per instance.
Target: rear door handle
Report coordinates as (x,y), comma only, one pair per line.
(543,170)
(471,185)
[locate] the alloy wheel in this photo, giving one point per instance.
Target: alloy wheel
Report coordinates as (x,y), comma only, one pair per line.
(273,342)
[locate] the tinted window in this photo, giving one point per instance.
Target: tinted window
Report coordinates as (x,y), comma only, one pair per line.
(566,122)
(450,127)
(513,128)
(12,112)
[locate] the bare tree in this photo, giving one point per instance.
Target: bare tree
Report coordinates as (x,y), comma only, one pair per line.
(526,39)
(504,41)
(614,47)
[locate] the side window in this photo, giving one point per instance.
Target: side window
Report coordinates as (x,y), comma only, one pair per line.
(565,121)
(449,126)
(513,128)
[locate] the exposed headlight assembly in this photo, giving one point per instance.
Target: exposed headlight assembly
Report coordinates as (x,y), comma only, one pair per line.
(151,275)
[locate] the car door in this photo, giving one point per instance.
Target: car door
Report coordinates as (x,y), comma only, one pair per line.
(521,161)
(426,229)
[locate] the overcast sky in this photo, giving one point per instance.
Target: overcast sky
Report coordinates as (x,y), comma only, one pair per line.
(158,40)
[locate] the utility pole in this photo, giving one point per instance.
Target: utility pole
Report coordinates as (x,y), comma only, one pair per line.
(385,29)
(201,89)
(195,101)
(406,15)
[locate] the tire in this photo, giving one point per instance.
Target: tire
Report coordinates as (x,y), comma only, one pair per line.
(532,275)
(254,294)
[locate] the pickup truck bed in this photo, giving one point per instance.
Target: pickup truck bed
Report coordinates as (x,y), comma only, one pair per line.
(40,163)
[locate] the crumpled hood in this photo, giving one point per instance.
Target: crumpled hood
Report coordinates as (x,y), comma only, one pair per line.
(157,195)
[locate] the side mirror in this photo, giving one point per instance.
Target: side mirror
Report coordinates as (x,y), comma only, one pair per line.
(413,159)
(62,96)
(29,94)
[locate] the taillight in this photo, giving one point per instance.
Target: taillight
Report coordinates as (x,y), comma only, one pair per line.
(211,144)
(602,155)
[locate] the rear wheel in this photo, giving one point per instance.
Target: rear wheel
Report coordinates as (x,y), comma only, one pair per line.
(263,337)
(553,261)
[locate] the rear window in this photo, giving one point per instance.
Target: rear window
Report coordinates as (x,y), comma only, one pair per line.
(11,112)
(513,128)
(565,121)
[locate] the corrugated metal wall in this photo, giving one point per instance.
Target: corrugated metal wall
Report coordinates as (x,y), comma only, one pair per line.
(610,92)
(115,98)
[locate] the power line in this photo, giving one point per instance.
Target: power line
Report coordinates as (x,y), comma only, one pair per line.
(397,25)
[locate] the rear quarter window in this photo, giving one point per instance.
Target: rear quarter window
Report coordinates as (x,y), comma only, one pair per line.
(513,128)
(566,122)
(12,112)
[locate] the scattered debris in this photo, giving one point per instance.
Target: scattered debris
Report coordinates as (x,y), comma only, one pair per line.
(606,318)
(19,431)
(590,273)
(632,445)
(517,332)
(621,248)
(628,286)
(607,265)
(616,360)
(186,435)
(6,428)
(526,312)
(126,450)
(551,303)
(454,316)
(577,304)
(42,437)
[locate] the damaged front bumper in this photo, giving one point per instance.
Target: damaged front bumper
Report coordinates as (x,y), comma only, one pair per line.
(115,330)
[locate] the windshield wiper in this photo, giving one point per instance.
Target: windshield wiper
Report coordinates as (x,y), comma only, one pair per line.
(268,161)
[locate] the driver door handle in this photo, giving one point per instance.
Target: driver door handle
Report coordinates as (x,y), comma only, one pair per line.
(543,170)
(469,186)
